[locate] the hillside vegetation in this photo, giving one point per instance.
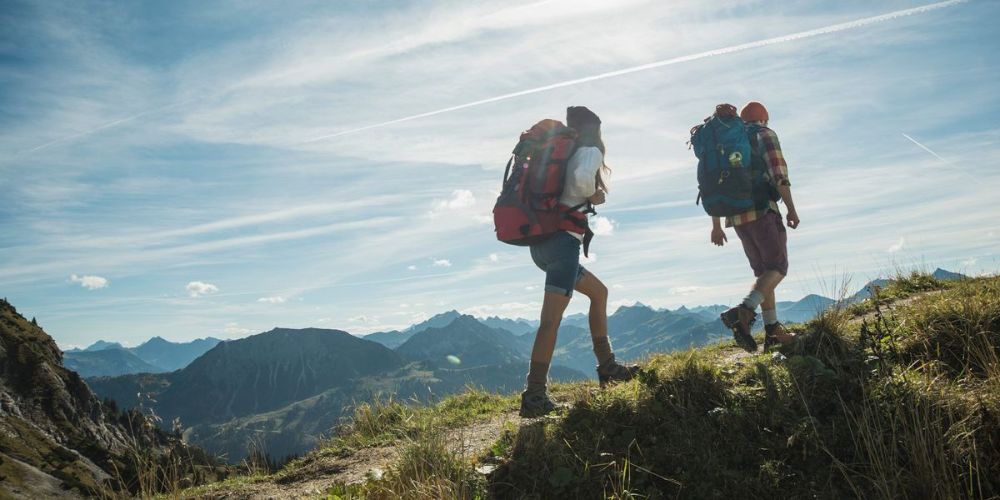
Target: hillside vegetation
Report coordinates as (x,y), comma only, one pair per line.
(57,439)
(897,397)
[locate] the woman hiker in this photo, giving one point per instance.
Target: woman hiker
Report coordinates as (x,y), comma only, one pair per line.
(559,257)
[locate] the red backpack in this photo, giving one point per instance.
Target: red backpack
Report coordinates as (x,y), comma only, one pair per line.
(528,209)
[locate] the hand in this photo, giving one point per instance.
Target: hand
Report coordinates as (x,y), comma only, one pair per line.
(597,198)
(719,236)
(793,219)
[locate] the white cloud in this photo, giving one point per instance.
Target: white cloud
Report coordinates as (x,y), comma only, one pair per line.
(530,288)
(460,198)
(411,268)
(602,226)
(592,258)
(442,263)
(90,282)
(494,257)
(618,286)
(272,300)
(683,290)
(364,319)
(895,247)
(971,261)
(199,288)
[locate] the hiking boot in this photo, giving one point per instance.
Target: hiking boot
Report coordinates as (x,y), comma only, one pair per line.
(613,371)
(535,403)
(777,335)
(739,319)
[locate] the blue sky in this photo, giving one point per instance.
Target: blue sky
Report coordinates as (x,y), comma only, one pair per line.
(186,169)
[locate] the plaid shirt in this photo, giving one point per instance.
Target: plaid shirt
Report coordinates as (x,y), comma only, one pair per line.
(766,141)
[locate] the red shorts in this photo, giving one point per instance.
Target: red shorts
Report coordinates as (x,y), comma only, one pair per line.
(765,243)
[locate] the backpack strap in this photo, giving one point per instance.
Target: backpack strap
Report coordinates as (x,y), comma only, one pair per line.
(588,235)
(506,171)
(763,191)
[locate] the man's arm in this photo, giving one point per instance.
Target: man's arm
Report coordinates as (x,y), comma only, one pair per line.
(786,196)
(778,169)
(718,235)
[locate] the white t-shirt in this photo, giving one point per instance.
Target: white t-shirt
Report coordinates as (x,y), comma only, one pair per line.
(581,178)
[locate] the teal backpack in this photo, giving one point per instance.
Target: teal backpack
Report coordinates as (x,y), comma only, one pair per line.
(723,150)
(731,174)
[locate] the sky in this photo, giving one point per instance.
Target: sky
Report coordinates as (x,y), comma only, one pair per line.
(189,169)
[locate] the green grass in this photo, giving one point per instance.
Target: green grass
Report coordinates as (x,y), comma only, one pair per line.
(385,421)
(904,409)
(900,287)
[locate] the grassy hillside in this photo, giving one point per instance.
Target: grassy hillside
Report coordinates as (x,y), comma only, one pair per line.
(898,397)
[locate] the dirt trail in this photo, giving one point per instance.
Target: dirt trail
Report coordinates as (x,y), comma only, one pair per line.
(737,356)
(320,473)
(891,306)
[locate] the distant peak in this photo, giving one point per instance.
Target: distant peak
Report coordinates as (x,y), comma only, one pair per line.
(638,306)
(101,345)
(465,319)
(944,274)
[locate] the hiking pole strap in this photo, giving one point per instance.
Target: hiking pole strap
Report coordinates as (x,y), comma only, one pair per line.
(589,235)
(506,172)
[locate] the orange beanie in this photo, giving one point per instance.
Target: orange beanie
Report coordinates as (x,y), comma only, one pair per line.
(754,112)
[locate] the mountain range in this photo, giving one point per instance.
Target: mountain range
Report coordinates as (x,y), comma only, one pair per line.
(286,388)
(156,355)
(159,355)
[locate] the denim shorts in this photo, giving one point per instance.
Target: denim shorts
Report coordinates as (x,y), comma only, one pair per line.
(559,257)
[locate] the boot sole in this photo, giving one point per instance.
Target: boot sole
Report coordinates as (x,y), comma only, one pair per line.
(744,340)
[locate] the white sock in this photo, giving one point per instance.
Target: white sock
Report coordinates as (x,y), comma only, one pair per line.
(753,299)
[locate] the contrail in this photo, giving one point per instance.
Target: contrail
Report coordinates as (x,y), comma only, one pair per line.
(105,126)
(950,165)
(659,64)
(925,148)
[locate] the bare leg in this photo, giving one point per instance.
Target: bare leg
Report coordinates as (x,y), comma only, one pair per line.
(592,287)
(770,303)
(553,307)
(766,284)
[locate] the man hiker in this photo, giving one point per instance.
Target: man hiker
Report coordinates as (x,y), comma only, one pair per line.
(762,233)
